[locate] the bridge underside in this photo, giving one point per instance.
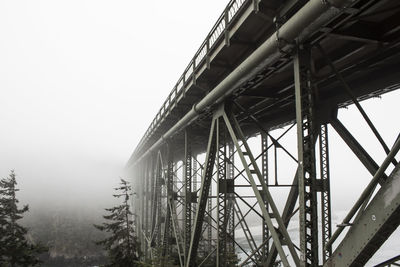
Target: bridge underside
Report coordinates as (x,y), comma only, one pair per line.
(217,161)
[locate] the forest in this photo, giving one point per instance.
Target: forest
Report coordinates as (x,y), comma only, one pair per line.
(75,236)
(69,235)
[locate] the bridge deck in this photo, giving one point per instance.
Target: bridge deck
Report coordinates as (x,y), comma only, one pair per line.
(363,43)
(247,63)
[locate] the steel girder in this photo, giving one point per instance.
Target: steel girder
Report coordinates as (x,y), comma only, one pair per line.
(222,191)
(188,193)
(358,150)
(146,191)
(167,237)
(306,130)
(161,227)
(251,168)
(264,168)
(326,225)
(226,141)
(209,222)
(217,155)
(375,224)
(204,191)
(230,195)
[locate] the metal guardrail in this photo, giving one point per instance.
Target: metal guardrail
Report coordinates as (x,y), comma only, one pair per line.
(179,89)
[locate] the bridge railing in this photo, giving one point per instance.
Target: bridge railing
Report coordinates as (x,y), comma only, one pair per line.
(217,32)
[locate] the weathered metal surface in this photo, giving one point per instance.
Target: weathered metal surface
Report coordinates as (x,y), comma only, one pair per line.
(376,223)
(244,69)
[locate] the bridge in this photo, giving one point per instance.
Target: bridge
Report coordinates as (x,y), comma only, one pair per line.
(215,163)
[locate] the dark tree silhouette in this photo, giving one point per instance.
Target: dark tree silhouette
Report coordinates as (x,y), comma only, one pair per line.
(15,250)
(122,245)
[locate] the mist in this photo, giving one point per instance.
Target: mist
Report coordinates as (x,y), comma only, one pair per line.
(81,80)
(78,88)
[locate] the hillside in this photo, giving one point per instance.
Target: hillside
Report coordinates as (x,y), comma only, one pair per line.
(69,234)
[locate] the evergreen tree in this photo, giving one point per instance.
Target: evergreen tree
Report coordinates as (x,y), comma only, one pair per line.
(121,245)
(15,250)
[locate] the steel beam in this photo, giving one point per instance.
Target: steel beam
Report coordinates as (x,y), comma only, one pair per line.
(357,149)
(204,191)
(160,179)
(308,18)
(156,202)
(188,193)
(142,237)
(306,185)
(286,215)
(231,198)
(176,231)
(370,230)
(246,229)
(222,187)
(326,222)
(146,189)
(167,238)
(208,248)
(367,192)
(264,168)
(256,171)
(395,261)
(194,184)
(306,128)
(355,101)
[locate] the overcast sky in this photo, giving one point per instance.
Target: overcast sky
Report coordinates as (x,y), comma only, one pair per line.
(81,80)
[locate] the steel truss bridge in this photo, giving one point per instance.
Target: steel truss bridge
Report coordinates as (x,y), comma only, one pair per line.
(214,165)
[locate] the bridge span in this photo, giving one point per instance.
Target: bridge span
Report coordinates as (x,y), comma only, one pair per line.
(213,165)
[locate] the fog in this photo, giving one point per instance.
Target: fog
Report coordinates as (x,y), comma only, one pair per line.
(81,80)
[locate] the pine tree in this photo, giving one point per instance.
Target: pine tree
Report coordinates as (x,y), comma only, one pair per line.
(15,250)
(122,245)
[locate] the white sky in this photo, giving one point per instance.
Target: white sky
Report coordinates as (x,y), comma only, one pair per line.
(80,81)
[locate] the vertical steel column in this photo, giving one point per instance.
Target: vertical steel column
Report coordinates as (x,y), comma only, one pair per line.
(167,246)
(151,199)
(164,203)
(142,213)
(306,157)
(174,203)
(208,249)
(136,204)
(155,202)
(264,166)
(325,192)
(221,196)
(174,178)
(170,195)
(188,193)
(231,198)
(177,238)
(146,184)
(134,201)
(159,200)
(194,183)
